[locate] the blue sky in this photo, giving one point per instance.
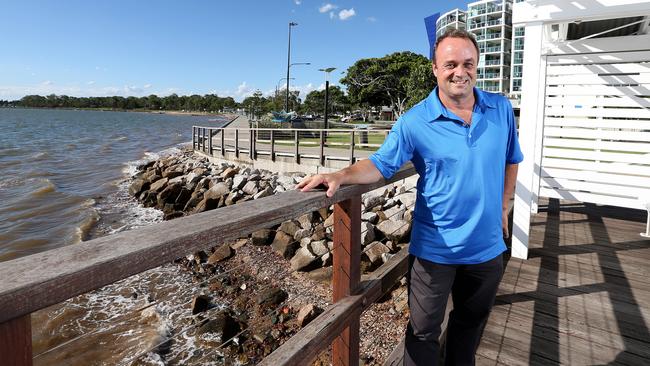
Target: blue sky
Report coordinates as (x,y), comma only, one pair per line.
(227,47)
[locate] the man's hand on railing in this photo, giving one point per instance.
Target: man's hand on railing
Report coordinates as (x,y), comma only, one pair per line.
(331,182)
(361,172)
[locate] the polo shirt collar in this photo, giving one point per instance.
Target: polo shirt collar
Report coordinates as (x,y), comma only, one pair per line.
(435,108)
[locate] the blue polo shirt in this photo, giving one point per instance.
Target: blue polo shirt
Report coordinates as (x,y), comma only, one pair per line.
(457,216)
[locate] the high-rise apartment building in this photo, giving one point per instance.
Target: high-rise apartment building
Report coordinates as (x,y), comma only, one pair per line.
(517,63)
(491,22)
(452,19)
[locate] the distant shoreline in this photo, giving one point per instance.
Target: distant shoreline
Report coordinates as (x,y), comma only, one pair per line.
(170,112)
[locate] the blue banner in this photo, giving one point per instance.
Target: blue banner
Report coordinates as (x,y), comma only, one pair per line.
(430,24)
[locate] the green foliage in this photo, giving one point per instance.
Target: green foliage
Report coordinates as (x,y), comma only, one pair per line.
(386,80)
(209,102)
(419,84)
(315,101)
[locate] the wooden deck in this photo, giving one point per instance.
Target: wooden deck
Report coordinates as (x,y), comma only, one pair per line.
(582,297)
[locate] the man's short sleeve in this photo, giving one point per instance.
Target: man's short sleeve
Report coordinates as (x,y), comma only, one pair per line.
(513,151)
(396,150)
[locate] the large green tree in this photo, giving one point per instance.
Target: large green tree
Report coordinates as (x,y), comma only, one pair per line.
(315,101)
(388,81)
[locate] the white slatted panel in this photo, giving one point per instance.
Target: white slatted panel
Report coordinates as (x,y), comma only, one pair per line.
(596,142)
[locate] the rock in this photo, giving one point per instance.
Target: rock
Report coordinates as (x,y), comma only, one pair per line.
(239,243)
(158,185)
(395,230)
(222,253)
(261,237)
(138,186)
(388,204)
(323,275)
(326,259)
(229,172)
(289,227)
(191,180)
(324,213)
(307,313)
(304,242)
(250,188)
(268,191)
(271,297)
(307,220)
(303,260)
(284,244)
(183,197)
(206,204)
(319,233)
(302,233)
(238,182)
(172,173)
(149,199)
(372,199)
(329,222)
(319,248)
(367,233)
(224,324)
(194,200)
(371,217)
(232,198)
(395,213)
(173,215)
(374,252)
(217,191)
(407,199)
(287,182)
(169,195)
(200,304)
(178,180)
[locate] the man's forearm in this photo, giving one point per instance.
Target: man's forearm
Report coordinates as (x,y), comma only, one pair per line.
(509,183)
(362,172)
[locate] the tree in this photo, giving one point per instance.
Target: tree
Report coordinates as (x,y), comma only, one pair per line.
(315,101)
(419,84)
(384,81)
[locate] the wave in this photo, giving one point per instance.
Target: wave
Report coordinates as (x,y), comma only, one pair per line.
(121,138)
(82,232)
(46,189)
(43,155)
(12,151)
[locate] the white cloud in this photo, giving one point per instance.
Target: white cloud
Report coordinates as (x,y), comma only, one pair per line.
(88,89)
(371,19)
(327,8)
(332,15)
(346,14)
(47,82)
(91,82)
(146,86)
(298,2)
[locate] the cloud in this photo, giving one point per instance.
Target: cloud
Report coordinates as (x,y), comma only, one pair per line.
(327,8)
(332,15)
(146,86)
(371,19)
(346,14)
(91,82)
(297,2)
(47,82)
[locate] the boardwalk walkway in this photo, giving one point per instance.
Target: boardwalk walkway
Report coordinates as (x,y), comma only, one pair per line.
(582,297)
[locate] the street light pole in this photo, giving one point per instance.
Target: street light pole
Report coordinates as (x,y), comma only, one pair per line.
(327,87)
(286,100)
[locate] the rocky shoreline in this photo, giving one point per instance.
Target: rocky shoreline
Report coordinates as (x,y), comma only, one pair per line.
(275,281)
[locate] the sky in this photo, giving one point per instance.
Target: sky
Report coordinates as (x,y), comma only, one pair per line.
(223,47)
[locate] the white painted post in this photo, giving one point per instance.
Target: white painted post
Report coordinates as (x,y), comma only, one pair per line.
(532,113)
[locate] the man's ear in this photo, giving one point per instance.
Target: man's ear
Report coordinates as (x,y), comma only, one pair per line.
(434,69)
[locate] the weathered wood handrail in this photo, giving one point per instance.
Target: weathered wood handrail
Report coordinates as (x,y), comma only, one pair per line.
(34,282)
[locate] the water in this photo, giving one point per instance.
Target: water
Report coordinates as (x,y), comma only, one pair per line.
(63,179)
(60,170)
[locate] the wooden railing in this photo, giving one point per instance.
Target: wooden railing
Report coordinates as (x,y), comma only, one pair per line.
(34,282)
(271,143)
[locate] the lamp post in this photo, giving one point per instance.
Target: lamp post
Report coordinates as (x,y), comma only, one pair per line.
(277,86)
(286,100)
(327,87)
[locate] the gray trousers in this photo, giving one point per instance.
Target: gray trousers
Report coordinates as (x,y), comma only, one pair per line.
(473,289)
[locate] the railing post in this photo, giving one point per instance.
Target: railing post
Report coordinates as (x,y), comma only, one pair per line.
(223,142)
(16,342)
(346,275)
(255,144)
(237,143)
(250,144)
(322,148)
(296,147)
(193,138)
(272,146)
(352,147)
(210,141)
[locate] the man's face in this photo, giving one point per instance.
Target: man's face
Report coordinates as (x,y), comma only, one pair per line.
(455,67)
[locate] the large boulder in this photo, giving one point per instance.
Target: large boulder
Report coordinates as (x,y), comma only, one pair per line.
(372,199)
(367,233)
(217,191)
(303,260)
(261,237)
(396,231)
(284,244)
(374,252)
(289,227)
(271,297)
(250,188)
(158,185)
(238,182)
(268,191)
(169,195)
(229,172)
(138,186)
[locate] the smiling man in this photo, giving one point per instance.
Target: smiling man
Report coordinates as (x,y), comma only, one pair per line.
(463,143)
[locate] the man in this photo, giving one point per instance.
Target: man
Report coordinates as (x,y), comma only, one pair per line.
(463,144)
